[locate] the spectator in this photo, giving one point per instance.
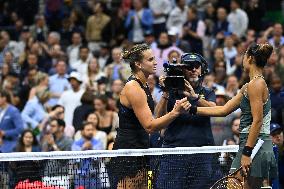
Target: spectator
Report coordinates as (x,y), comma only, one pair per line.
(115,33)
(230,52)
(221,129)
(98,135)
(88,169)
(117,69)
(139,21)
(57,112)
(34,111)
(39,30)
(177,16)
(277,39)
(58,83)
(11,123)
(236,130)
(221,26)
(108,119)
(86,107)
(116,88)
(27,142)
(87,142)
(41,84)
(94,73)
(232,86)
(74,48)
(160,9)
(238,19)
(95,25)
(31,170)
(279,67)
(155,91)
(70,99)
(194,31)
(276,132)
(81,65)
(277,101)
(56,172)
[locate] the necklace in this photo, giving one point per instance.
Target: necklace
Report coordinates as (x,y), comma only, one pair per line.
(138,78)
(257,76)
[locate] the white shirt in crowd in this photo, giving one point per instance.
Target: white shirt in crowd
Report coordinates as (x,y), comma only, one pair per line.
(177,18)
(70,100)
(238,22)
(81,67)
(158,7)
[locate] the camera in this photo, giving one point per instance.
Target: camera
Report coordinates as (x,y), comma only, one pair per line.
(174,80)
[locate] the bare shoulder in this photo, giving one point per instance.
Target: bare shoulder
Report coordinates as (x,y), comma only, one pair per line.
(131,94)
(256,87)
(132,87)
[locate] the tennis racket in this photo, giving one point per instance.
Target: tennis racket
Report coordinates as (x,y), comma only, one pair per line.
(235,180)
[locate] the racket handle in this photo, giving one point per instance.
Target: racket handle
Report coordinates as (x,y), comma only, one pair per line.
(256,148)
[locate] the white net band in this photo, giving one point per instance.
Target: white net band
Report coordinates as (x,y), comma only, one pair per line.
(20,156)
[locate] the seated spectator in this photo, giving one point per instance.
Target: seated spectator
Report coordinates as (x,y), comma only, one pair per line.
(117,69)
(57,112)
(276,132)
(235,129)
(58,82)
(56,172)
(108,120)
(99,135)
(221,129)
(87,171)
(82,111)
(31,170)
(155,91)
(11,123)
(70,99)
(41,84)
(34,111)
(27,142)
(90,81)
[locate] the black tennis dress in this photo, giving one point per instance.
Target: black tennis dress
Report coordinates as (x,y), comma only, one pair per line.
(130,135)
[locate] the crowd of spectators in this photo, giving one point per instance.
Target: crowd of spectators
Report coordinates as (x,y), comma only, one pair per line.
(61,67)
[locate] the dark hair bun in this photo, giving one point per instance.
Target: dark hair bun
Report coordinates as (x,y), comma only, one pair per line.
(266,50)
(261,53)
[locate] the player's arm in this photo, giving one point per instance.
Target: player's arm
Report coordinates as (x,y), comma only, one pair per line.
(137,99)
(220,111)
(255,92)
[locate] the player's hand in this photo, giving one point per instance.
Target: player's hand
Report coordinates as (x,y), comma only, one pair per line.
(245,162)
(182,106)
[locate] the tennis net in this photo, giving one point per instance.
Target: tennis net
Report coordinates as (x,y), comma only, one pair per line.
(151,168)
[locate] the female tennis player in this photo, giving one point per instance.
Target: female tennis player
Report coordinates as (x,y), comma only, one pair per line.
(136,108)
(254,101)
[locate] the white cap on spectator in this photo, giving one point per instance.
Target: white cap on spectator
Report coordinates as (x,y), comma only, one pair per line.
(75,75)
(173,31)
(222,93)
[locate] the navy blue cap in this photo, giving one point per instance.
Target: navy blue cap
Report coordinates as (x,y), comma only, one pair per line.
(189,58)
(274,127)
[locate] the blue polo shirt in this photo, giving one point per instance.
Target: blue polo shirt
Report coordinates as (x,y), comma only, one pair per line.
(190,130)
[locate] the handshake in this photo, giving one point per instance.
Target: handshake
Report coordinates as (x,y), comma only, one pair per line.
(183,106)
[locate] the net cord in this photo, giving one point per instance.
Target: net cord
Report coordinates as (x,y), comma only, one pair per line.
(23,156)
